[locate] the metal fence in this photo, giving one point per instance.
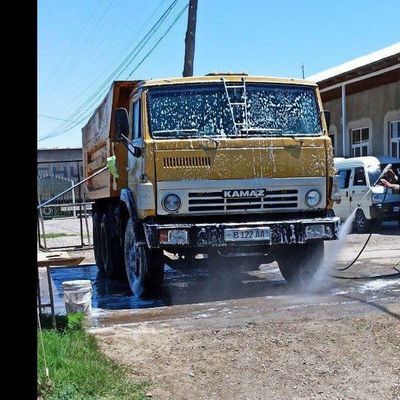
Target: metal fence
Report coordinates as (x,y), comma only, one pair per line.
(66,222)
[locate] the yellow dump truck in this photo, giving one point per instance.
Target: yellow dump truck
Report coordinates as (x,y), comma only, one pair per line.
(219,165)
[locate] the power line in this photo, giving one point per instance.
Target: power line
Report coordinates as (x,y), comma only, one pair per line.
(88,45)
(137,66)
(50,117)
(100,91)
(161,38)
(78,35)
(96,80)
(128,60)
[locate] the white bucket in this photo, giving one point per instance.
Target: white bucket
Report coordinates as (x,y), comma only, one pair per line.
(78,296)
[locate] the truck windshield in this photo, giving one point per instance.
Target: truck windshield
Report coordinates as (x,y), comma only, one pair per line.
(210,110)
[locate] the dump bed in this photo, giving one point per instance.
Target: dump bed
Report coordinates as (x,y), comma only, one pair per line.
(97,143)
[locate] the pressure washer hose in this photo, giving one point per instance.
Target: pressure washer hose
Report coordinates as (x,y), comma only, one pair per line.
(365,245)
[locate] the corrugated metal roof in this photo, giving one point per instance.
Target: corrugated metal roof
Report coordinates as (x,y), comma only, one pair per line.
(356,63)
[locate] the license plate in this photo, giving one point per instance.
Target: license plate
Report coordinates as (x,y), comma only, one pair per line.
(247,234)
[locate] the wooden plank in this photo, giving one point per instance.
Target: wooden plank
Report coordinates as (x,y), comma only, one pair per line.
(54,259)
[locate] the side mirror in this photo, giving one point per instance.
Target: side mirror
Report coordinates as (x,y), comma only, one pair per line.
(327,115)
(121,123)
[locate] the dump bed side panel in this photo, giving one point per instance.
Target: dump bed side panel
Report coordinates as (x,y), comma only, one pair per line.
(97,144)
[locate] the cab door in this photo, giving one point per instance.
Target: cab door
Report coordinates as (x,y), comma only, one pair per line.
(343,209)
(358,189)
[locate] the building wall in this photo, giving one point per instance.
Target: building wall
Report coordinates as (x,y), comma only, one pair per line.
(375,108)
(63,165)
(59,154)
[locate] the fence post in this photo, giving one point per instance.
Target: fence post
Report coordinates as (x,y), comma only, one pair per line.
(80,204)
(87,224)
(41,222)
(73,198)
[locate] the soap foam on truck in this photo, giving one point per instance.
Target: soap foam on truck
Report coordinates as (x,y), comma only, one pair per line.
(220,165)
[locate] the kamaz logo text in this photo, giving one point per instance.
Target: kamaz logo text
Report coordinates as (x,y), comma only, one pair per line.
(244,193)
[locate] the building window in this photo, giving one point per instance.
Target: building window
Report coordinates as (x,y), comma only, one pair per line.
(360,142)
(394,139)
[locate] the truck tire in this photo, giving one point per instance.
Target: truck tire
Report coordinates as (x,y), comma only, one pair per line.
(96,241)
(300,262)
(361,224)
(144,267)
(110,248)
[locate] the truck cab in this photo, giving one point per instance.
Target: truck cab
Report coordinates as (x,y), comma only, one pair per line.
(219,165)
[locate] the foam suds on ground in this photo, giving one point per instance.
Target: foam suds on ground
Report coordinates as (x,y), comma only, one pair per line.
(378,284)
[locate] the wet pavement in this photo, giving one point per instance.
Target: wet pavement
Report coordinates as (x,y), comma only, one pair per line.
(195,287)
(192,285)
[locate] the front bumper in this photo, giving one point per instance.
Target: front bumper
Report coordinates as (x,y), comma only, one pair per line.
(386,211)
(204,235)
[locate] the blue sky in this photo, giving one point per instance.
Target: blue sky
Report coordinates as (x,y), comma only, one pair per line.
(82,42)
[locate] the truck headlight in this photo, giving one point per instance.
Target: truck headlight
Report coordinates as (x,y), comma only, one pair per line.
(313,197)
(171,202)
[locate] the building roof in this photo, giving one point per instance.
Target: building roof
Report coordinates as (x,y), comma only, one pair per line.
(359,62)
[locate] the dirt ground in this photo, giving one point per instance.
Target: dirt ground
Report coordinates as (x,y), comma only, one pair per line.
(349,358)
(267,340)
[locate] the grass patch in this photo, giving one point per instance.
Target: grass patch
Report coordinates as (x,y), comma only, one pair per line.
(77,368)
(54,235)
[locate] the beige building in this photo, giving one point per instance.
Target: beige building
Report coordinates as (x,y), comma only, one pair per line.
(363,96)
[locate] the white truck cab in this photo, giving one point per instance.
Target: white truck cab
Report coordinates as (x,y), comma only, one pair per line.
(356,178)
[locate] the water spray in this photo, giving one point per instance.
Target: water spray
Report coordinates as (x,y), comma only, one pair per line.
(345,229)
(383,173)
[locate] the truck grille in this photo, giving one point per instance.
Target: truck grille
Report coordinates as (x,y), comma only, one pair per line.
(214,201)
(187,162)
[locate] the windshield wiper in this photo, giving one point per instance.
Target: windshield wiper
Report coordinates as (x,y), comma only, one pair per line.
(271,131)
(176,131)
(277,132)
(180,136)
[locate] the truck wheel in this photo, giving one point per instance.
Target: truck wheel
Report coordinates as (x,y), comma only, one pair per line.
(144,267)
(110,248)
(361,224)
(96,241)
(300,262)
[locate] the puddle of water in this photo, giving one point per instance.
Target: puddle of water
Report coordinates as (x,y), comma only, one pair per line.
(107,294)
(181,287)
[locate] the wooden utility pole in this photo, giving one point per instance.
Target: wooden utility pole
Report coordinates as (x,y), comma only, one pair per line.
(190,39)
